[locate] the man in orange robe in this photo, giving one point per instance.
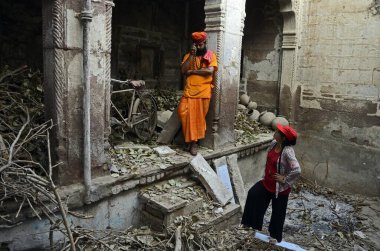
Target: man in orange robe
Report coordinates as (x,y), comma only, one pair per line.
(198,67)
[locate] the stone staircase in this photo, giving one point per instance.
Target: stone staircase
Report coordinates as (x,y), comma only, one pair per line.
(163,202)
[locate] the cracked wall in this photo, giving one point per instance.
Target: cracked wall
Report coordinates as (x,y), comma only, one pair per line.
(338,73)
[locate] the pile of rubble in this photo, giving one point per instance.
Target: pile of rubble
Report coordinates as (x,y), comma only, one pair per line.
(167,99)
(247,130)
(321,218)
(131,158)
(249,121)
(317,219)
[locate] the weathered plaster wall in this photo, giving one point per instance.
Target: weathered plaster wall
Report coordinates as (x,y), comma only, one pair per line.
(252,168)
(21,33)
(151,37)
(338,81)
(261,52)
(113,212)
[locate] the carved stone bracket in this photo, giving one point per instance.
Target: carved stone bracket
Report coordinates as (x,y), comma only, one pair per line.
(215,17)
(289,40)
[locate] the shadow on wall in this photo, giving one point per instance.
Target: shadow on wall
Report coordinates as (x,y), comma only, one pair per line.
(21,33)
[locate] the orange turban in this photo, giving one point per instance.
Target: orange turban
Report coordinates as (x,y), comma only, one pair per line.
(199,37)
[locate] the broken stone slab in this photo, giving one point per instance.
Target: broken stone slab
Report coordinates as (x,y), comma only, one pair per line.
(210,180)
(237,180)
(166,203)
(163,117)
(221,168)
(170,130)
(164,151)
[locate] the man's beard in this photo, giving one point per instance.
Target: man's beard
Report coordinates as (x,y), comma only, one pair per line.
(201,52)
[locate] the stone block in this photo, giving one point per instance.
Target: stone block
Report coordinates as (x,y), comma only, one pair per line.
(237,180)
(170,130)
(166,203)
(221,168)
(163,117)
(210,180)
(185,211)
(164,151)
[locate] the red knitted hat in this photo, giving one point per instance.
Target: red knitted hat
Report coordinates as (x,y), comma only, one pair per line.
(289,132)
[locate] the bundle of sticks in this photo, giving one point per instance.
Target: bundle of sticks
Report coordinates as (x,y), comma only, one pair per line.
(26,184)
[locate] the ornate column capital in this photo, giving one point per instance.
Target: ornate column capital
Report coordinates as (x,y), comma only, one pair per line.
(215,17)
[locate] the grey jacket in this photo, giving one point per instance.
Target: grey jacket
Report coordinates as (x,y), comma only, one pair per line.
(289,167)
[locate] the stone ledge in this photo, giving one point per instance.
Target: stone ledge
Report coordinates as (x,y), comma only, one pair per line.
(106,186)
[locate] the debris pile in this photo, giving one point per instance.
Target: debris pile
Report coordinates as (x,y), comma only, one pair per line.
(249,108)
(321,218)
(167,100)
(21,107)
(317,219)
(181,197)
(190,232)
(131,158)
(26,185)
(144,239)
(247,130)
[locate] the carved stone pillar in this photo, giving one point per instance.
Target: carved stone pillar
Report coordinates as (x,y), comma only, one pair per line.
(224,25)
(62,46)
(289,44)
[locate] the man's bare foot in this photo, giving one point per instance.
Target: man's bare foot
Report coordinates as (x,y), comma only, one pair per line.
(193,148)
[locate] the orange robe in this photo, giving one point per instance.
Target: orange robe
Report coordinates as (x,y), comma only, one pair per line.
(195,101)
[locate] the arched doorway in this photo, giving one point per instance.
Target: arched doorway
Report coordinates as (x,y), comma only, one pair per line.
(268,54)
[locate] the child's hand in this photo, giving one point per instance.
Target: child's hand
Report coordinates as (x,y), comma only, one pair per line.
(279,178)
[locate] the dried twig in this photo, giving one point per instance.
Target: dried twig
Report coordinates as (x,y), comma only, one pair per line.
(178,241)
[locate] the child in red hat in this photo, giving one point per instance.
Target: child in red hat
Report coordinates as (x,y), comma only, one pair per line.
(281,171)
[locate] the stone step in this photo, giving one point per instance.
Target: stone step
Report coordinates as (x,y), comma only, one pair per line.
(166,200)
(184,197)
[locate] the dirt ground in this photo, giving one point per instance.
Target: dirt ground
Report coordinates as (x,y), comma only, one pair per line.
(323,219)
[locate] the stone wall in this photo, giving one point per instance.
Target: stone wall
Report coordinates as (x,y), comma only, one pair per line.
(338,81)
(261,52)
(151,37)
(112,212)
